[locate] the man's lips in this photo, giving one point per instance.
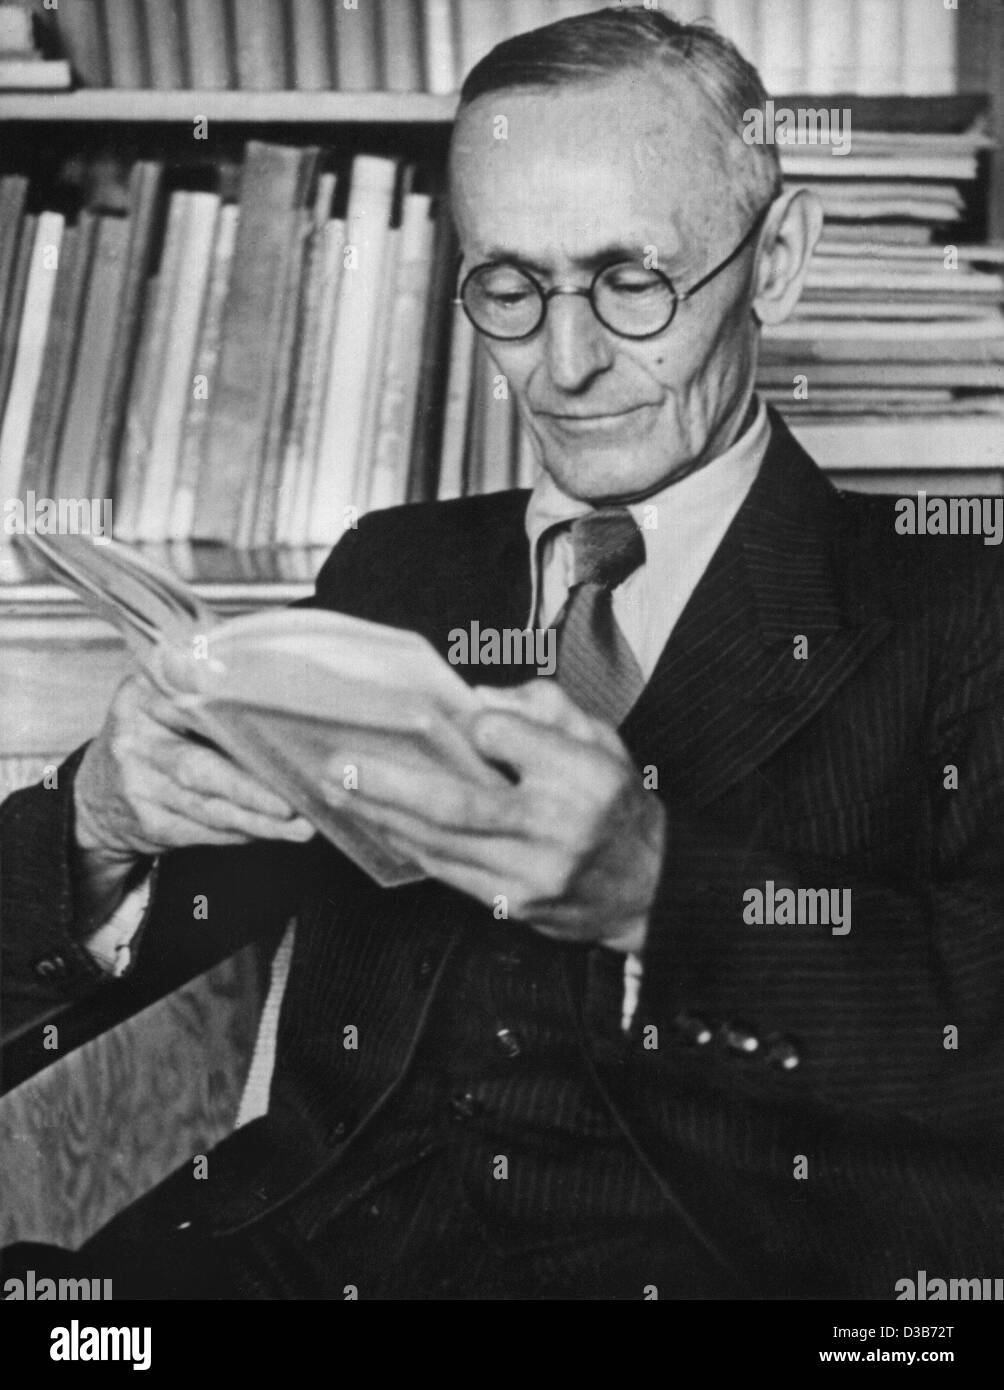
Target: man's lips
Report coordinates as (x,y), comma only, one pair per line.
(591,414)
(582,421)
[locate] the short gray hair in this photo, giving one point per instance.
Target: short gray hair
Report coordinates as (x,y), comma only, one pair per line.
(589,48)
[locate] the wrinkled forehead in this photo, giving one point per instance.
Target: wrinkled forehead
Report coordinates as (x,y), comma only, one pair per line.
(633,157)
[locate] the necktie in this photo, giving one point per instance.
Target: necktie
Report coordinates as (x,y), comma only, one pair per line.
(595,666)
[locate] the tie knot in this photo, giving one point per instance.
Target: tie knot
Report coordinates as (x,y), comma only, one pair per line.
(608,546)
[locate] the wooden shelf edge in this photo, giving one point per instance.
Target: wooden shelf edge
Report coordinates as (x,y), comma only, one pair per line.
(42,597)
(304,108)
(900,113)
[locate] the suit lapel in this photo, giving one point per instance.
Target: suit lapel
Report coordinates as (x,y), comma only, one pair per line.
(730,688)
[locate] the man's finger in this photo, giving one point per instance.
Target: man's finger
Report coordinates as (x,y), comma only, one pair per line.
(540,753)
(211,774)
(437,799)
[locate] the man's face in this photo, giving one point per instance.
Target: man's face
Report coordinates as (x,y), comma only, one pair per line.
(586,175)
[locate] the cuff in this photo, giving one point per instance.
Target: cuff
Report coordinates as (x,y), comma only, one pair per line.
(112,946)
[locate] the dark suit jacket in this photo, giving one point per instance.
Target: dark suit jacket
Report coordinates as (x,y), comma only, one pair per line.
(875,1155)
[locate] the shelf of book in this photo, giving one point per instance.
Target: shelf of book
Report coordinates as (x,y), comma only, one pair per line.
(245,108)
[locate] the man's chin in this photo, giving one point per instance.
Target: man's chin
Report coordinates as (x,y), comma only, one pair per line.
(607,475)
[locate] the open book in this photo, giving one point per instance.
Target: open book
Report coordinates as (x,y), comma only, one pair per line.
(283,691)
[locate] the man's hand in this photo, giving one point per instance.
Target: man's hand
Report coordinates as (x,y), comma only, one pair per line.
(145,785)
(574,845)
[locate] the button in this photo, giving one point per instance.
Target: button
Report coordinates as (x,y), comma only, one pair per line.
(693,1029)
(782,1053)
(339,1129)
(426,969)
(465,1106)
(737,1037)
(508,1043)
(51,968)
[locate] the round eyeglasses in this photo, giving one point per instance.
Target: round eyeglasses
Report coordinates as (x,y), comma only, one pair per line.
(503,300)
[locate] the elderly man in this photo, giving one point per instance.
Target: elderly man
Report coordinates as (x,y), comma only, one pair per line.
(628,1081)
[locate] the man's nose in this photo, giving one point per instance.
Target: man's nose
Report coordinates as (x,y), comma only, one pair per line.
(576,345)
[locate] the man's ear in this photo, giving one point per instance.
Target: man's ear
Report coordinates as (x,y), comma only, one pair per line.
(787,243)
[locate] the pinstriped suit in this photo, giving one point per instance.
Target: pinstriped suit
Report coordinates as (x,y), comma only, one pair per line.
(821,771)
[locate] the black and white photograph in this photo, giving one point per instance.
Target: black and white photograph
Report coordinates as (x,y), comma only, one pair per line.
(502,669)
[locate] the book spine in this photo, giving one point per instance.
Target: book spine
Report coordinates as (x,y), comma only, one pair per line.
(908,444)
(427,436)
(35,320)
(207,356)
(478,31)
(257,526)
(30,75)
(356,42)
(13,195)
(311,45)
(400,33)
(276,180)
(165,50)
(782,46)
(82,35)
(929,41)
(832,46)
(15,30)
(739,21)
(377,382)
(452,472)
(297,531)
(440,54)
(209,45)
(145,196)
(144,395)
(75,470)
(309,310)
(18,288)
(371,193)
(395,424)
(935,484)
(177,384)
(479,424)
(879,40)
(260,32)
(126,46)
(60,353)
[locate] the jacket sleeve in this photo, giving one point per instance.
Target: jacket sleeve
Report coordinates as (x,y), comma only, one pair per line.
(901,1016)
(249,891)
(206,903)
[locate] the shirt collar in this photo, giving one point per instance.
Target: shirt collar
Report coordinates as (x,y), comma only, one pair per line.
(703,493)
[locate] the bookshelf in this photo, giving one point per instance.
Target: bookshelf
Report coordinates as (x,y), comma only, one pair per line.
(240,108)
(57,668)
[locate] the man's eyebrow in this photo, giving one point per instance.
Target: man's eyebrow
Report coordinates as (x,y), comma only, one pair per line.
(606,255)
